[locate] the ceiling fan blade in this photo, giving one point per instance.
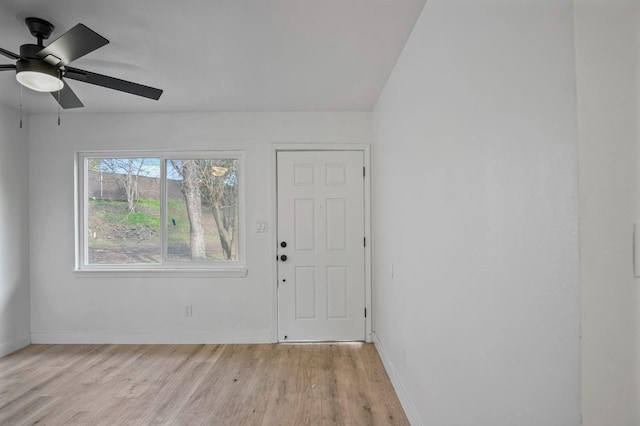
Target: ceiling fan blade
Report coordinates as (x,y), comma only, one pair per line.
(67,97)
(112,83)
(73,44)
(9,54)
(7,67)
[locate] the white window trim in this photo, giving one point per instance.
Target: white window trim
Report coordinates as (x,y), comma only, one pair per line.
(226,269)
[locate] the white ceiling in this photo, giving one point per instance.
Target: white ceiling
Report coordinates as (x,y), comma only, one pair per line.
(222,55)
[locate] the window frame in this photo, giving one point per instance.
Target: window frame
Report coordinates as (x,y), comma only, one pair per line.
(232,268)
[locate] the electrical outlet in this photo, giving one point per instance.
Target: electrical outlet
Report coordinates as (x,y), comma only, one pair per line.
(188,310)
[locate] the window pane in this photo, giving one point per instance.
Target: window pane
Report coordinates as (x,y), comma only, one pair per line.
(123,210)
(202,210)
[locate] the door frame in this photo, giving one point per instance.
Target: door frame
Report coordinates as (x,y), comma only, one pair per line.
(366,153)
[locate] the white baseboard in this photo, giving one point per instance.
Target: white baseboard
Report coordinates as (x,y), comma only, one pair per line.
(398,386)
(14,344)
(149,337)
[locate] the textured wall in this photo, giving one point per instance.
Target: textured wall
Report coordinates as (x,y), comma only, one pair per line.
(82,307)
(14,233)
(475,216)
(607,48)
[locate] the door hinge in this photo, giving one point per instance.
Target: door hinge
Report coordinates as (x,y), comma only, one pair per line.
(365,241)
(365,312)
(363,172)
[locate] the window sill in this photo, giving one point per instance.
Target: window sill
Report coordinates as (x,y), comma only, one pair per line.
(161,273)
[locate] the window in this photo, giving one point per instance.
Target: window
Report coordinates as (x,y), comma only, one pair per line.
(160,211)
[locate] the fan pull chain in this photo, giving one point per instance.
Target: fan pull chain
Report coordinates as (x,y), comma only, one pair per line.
(59,107)
(59,90)
(21,106)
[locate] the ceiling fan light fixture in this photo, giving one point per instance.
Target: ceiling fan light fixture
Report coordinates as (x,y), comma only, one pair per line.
(39,81)
(38,75)
(42,68)
(219,171)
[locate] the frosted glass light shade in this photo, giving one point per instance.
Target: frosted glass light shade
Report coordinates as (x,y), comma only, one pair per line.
(39,81)
(219,171)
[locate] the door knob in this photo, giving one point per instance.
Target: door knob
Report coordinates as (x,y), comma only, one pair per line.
(283,258)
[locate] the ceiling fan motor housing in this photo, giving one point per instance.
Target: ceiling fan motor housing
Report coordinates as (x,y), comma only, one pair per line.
(31,62)
(30,51)
(35,73)
(37,65)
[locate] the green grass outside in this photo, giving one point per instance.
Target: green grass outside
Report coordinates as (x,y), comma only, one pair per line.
(147,212)
(147,215)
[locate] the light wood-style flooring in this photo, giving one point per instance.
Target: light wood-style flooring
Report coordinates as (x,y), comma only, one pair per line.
(271,384)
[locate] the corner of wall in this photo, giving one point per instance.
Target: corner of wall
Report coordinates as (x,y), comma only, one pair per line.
(396,381)
(14,233)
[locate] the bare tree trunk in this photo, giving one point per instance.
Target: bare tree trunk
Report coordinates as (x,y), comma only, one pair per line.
(191,189)
(226,237)
(131,188)
(226,234)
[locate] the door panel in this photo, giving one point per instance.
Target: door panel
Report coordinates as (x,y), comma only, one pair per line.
(304,222)
(305,289)
(321,284)
(336,224)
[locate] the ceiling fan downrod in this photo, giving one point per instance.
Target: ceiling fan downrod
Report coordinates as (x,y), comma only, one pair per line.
(39,28)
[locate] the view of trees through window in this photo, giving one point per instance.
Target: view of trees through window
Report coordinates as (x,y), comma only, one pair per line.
(124,199)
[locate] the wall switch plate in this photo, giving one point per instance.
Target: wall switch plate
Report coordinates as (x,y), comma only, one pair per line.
(262,226)
(188,310)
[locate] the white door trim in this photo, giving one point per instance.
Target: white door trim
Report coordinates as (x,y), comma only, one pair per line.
(366,150)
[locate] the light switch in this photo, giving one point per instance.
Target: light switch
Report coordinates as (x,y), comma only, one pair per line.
(262,226)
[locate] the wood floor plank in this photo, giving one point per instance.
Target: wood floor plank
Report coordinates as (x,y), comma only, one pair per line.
(229,402)
(270,384)
(36,376)
(385,407)
(180,384)
(205,395)
(32,405)
(283,388)
(21,359)
(354,401)
(111,361)
(306,375)
(255,400)
(331,413)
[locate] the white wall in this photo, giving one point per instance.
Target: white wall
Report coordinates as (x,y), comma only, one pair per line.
(67,307)
(476,285)
(14,233)
(607,51)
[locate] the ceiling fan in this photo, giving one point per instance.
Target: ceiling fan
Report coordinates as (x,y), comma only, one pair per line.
(44,68)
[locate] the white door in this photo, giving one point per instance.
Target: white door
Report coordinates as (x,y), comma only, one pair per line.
(321,280)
